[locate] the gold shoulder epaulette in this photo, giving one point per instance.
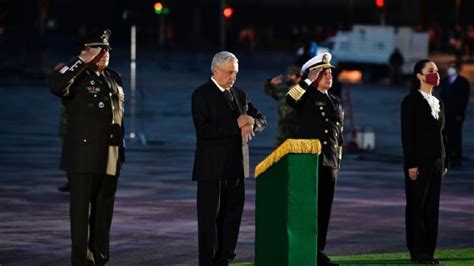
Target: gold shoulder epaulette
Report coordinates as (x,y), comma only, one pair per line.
(296,92)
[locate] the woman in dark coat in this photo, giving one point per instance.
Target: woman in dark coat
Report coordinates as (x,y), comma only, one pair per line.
(422,121)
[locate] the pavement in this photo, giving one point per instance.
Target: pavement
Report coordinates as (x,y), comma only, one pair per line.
(155,211)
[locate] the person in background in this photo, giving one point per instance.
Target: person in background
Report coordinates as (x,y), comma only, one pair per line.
(278,87)
(425,161)
(457,43)
(93,146)
(396,62)
(455,90)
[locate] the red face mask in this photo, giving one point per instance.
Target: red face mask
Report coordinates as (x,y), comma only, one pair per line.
(432,78)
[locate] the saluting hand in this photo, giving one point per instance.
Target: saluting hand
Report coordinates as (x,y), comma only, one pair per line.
(413,173)
(313,74)
(277,80)
(89,54)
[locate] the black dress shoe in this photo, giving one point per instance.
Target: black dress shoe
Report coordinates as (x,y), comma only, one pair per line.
(435,261)
(324,260)
(330,263)
(425,260)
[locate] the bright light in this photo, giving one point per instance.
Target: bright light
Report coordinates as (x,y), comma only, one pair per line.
(379,3)
(228,12)
(350,76)
(158,8)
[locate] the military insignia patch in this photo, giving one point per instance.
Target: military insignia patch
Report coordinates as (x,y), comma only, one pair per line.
(93,89)
(76,65)
(105,36)
(325,59)
(64,69)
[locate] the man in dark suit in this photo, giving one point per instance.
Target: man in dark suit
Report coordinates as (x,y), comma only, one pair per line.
(455,90)
(93,146)
(320,116)
(225,120)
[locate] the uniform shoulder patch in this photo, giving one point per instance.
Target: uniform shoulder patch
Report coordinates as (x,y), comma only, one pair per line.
(61,68)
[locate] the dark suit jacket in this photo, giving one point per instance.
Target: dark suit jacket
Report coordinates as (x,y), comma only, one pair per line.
(219,142)
(87,99)
(321,117)
(455,97)
(423,136)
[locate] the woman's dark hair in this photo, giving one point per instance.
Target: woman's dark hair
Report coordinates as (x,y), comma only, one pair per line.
(415,83)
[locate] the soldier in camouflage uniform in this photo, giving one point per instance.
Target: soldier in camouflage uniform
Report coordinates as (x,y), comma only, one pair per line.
(277,87)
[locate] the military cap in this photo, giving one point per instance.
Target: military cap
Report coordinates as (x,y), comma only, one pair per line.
(99,39)
(319,61)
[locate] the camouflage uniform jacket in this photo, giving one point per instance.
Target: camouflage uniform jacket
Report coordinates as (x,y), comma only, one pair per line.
(287,117)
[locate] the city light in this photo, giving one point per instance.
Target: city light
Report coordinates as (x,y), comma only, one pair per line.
(158,8)
(228,12)
(379,4)
(161,9)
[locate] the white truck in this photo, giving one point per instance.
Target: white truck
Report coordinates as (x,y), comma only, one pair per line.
(373,45)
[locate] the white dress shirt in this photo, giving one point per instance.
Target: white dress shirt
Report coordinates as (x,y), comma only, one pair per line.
(433,102)
(217,84)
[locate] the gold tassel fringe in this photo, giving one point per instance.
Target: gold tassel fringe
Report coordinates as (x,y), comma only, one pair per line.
(299,146)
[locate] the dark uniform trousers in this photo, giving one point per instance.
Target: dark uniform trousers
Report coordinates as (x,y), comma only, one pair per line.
(91,207)
(219,206)
(326,187)
(422,196)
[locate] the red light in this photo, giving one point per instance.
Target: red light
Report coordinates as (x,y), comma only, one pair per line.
(379,3)
(228,12)
(158,8)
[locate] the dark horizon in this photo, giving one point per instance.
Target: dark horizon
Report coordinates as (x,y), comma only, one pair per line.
(199,20)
